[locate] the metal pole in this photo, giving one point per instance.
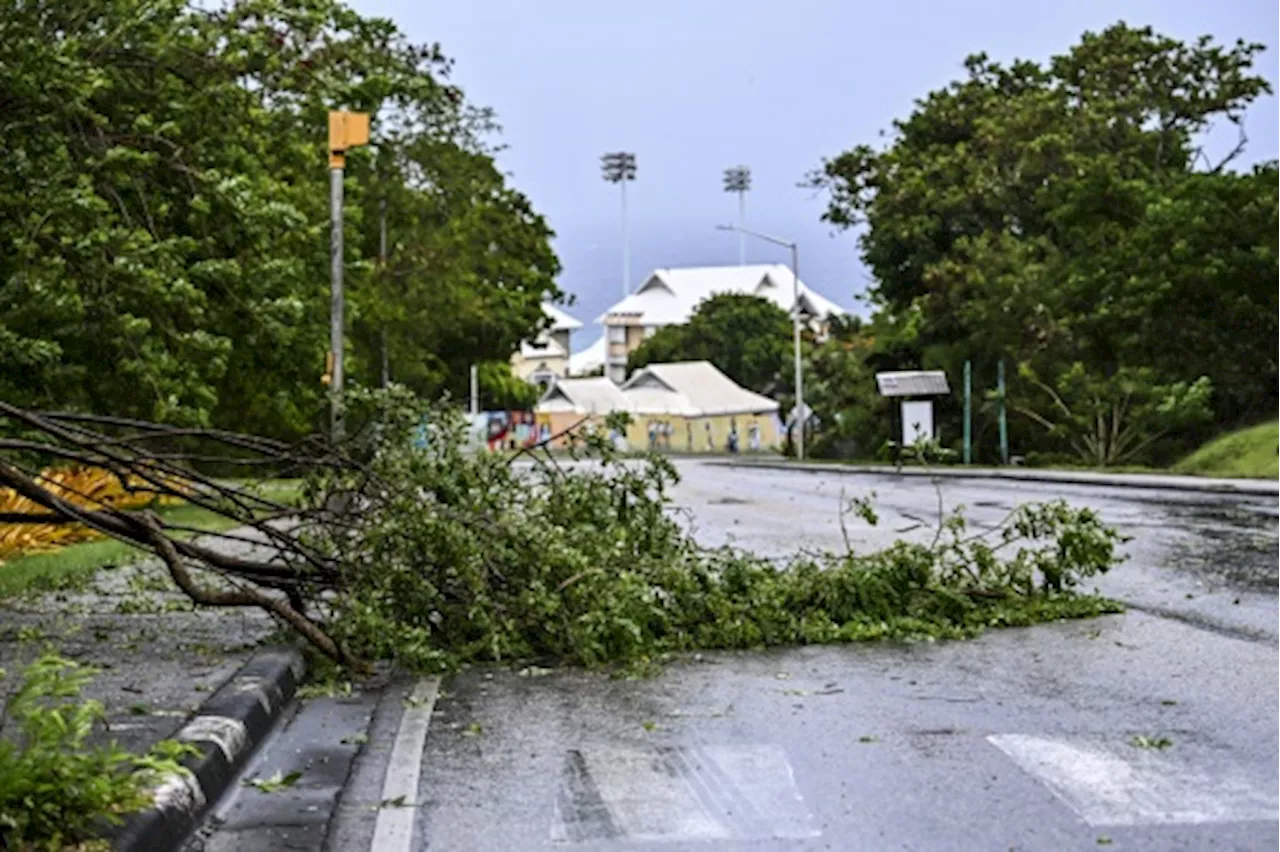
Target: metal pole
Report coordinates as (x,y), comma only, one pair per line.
(1004,424)
(475,390)
(795,274)
(382,267)
(742,223)
(968,411)
(335,300)
(626,243)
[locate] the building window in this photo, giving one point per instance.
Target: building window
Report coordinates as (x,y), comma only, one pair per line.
(617,334)
(650,330)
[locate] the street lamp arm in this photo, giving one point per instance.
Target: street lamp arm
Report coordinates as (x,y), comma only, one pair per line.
(757,234)
(795,325)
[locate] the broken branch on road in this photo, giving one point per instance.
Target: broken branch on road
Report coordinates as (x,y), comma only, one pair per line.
(411,545)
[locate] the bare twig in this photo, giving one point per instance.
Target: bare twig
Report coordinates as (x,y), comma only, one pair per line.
(244,595)
(546,443)
(1241,141)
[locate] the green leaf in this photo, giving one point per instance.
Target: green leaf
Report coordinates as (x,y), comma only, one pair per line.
(278,781)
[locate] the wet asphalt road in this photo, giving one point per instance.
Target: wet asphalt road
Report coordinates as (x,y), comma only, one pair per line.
(1020,740)
(1153,730)
(1207,558)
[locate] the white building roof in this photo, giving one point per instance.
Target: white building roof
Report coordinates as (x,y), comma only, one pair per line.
(692,389)
(544,347)
(596,395)
(589,359)
(669,296)
(686,388)
(560,321)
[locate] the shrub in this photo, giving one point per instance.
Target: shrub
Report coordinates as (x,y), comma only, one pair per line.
(55,789)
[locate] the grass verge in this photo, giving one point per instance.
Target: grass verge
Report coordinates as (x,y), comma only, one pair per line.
(1252,452)
(73,566)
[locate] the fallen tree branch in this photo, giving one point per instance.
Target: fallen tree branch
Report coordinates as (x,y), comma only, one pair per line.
(243,595)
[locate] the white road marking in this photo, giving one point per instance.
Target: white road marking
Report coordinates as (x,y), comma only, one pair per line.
(230,735)
(1114,783)
(393,831)
(763,777)
(679,794)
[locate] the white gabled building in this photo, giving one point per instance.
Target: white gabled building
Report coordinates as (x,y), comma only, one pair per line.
(670,296)
(587,361)
(691,389)
(546,358)
(590,396)
(687,406)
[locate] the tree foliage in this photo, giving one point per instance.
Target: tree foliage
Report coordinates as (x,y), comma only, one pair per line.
(1109,420)
(469,557)
(840,387)
(57,790)
(164,220)
(406,544)
(1066,211)
(748,338)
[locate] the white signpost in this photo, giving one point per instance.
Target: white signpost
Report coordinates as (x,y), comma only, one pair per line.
(916,389)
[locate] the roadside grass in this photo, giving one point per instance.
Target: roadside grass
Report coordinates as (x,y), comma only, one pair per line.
(73,566)
(1251,452)
(955,465)
(1248,454)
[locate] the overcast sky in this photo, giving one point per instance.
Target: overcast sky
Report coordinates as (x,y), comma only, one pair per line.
(695,86)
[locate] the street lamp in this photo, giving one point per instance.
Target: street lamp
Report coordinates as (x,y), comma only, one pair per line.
(619,167)
(346,130)
(738,179)
(795,322)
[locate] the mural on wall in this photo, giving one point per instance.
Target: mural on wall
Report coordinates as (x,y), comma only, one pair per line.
(509,430)
(660,432)
(742,433)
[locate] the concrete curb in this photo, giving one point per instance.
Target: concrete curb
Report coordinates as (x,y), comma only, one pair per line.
(1131,480)
(226,729)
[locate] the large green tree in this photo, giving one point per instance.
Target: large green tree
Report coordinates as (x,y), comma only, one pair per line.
(1067,212)
(748,338)
(164,219)
(469,260)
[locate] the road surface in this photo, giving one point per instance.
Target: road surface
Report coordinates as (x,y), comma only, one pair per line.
(1156,729)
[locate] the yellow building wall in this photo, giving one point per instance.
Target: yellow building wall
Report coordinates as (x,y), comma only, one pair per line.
(523,368)
(684,435)
(558,421)
(703,434)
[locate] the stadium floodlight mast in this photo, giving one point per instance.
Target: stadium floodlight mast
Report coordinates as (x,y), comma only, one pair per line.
(800,414)
(619,167)
(738,179)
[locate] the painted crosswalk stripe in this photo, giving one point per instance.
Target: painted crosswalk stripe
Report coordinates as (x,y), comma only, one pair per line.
(670,794)
(1110,782)
(393,831)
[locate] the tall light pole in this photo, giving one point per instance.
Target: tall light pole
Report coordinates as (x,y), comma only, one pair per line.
(795,323)
(738,179)
(346,130)
(382,270)
(619,167)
